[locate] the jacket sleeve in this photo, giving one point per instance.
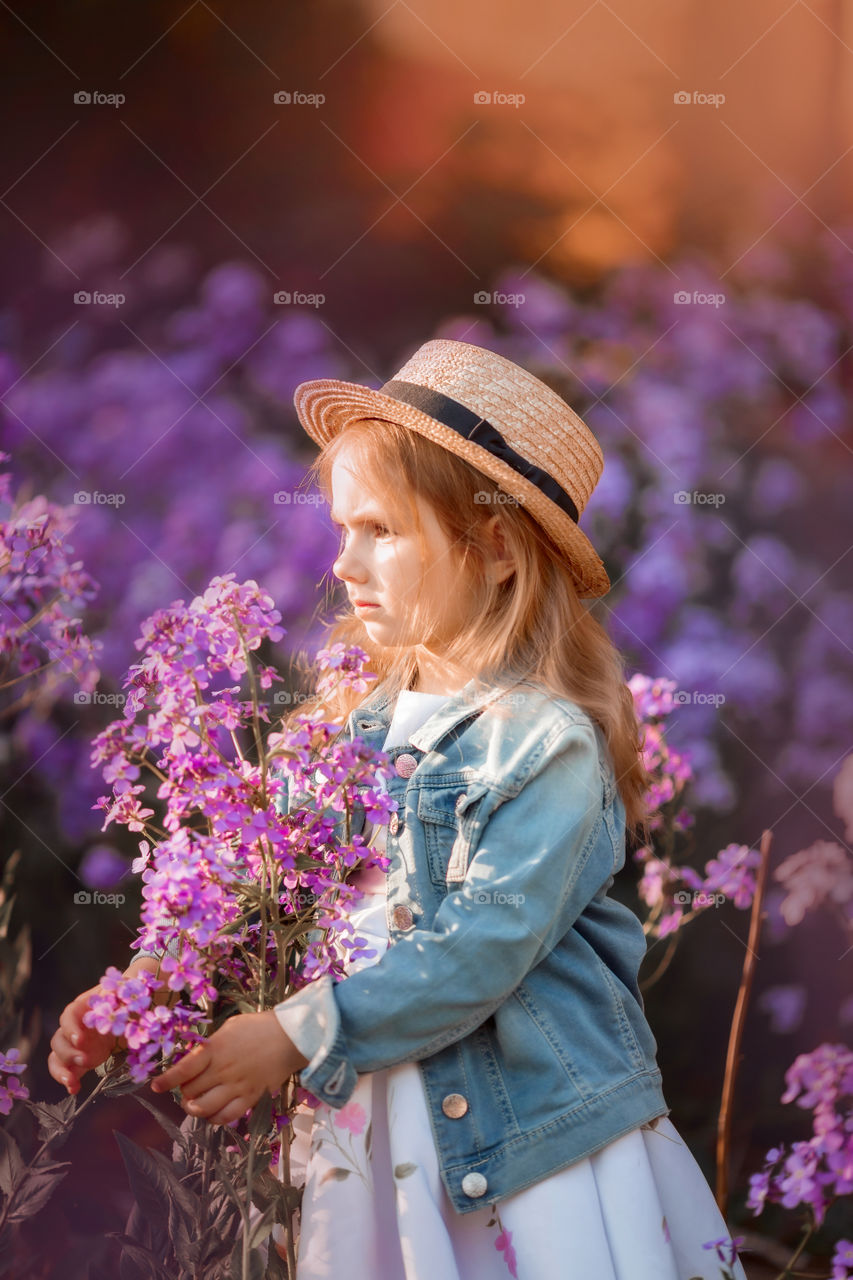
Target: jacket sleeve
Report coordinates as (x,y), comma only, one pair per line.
(537,865)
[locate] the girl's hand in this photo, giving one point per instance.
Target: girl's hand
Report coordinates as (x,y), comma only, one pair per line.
(225,1075)
(75,1048)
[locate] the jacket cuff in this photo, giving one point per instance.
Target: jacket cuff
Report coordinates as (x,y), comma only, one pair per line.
(313,1022)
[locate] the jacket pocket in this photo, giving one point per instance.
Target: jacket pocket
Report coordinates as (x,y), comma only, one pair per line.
(448,817)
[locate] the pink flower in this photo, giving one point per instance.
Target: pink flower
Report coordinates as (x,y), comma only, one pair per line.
(731,873)
(352,1117)
(657,876)
(823,871)
(669,922)
(503,1244)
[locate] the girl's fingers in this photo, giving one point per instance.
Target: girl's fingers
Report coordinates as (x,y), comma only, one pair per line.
(71,1022)
(229,1114)
(232,1113)
(62,1073)
(180,1073)
(206,1105)
(203,1083)
(63,1050)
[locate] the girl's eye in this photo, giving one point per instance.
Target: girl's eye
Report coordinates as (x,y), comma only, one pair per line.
(381,530)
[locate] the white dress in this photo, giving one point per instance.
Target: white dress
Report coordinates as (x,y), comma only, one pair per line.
(374,1206)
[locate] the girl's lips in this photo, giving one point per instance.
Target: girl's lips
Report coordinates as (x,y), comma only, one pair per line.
(365,604)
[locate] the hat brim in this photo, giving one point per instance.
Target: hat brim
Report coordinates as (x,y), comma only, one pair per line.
(325,406)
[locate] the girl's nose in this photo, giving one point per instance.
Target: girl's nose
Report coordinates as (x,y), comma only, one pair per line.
(348,569)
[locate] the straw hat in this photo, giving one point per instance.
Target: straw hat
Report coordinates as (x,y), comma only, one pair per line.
(495,415)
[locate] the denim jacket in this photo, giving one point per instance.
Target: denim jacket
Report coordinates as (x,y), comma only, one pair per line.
(510,975)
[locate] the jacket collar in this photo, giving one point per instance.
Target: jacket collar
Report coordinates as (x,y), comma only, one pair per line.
(375,714)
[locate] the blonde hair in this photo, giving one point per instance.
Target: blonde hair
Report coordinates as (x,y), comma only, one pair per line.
(531,627)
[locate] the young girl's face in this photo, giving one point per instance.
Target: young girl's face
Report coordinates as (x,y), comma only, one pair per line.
(380,564)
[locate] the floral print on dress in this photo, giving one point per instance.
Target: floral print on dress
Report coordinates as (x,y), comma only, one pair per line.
(348,1120)
(503,1243)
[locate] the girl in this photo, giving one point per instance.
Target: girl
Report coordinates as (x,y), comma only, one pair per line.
(488,1101)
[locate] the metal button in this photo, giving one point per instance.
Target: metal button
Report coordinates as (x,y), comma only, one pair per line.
(454,1105)
(394,824)
(405,765)
(402,917)
(474,1184)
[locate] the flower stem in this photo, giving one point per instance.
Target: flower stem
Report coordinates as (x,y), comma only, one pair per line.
(724,1122)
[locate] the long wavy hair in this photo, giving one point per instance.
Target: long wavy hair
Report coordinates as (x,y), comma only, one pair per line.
(531,627)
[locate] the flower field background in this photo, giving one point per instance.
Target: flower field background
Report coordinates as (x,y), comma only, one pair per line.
(721,515)
(649,207)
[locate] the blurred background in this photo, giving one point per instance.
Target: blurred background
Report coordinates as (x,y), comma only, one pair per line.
(649,206)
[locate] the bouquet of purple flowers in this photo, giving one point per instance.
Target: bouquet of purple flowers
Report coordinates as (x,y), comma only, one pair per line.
(245,895)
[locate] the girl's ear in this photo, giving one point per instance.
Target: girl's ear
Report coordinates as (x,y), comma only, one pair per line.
(500,564)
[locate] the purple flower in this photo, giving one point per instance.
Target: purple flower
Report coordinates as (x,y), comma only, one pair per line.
(785,1004)
(11,1088)
(821,873)
(726,1248)
(842,1260)
(814,1171)
(102,867)
(44,589)
(731,873)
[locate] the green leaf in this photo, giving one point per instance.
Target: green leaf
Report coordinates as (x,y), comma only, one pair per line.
(11,1163)
(261,1115)
(120,1086)
(147,1181)
(337,1174)
(35,1189)
(189,1202)
(368,1140)
(268,1190)
(256,1266)
(53,1117)
(262,1226)
(404,1170)
(224,1177)
(139,1254)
